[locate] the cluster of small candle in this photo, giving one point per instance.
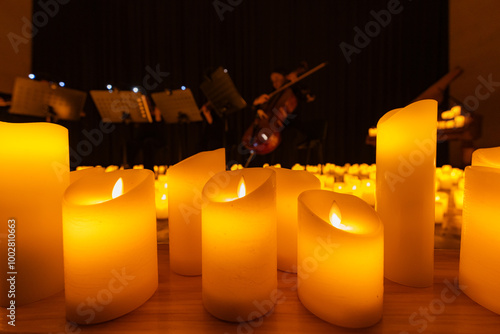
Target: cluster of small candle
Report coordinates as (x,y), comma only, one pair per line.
(452,118)
(354,179)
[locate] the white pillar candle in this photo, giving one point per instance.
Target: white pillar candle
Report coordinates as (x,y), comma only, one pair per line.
(480,242)
(340,258)
(289,185)
(110,257)
(185,182)
(34,172)
(406,155)
(239,278)
(161,197)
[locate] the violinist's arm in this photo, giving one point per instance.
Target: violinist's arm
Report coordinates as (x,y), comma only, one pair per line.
(261,99)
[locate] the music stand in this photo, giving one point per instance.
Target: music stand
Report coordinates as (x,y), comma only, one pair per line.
(124,107)
(121,106)
(45,99)
(221,91)
(178,106)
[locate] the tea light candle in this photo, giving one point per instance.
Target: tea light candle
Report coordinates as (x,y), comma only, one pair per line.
(406,155)
(443,198)
(289,185)
(340,258)
(459,121)
(458,198)
(185,182)
(239,278)
(480,242)
(34,169)
(110,258)
(161,197)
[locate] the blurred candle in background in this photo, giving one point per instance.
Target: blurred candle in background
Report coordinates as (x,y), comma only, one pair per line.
(185,182)
(289,185)
(406,155)
(34,172)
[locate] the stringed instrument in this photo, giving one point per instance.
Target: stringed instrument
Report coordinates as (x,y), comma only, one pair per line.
(264,135)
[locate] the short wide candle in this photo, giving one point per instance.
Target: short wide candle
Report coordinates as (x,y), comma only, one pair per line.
(239,278)
(406,169)
(34,172)
(480,243)
(340,258)
(110,250)
(185,182)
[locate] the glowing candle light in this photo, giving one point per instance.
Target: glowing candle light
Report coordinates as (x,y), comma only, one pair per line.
(480,242)
(406,168)
(34,172)
(239,278)
(340,258)
(161,197)
(110,246)
(185,182)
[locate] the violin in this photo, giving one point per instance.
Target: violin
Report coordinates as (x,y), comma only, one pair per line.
(264,135)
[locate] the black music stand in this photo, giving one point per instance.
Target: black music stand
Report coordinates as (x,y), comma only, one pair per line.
(123,107)
(220,90)
(46,100)
(177,107)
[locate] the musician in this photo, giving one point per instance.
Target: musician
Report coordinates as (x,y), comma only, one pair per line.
(280,111)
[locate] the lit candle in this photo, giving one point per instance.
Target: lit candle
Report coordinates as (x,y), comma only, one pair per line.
(185,182)
(289,185)
(161,197)
(459,121)
(458,198)
(239,278)
(480,243)
(406,153)
(340,258)
(34,172)
(110,260)
(444,199)
(368,191)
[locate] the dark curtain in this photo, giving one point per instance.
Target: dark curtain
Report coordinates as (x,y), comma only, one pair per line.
(91,43)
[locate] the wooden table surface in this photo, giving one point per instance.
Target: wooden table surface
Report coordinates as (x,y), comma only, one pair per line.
(176,307)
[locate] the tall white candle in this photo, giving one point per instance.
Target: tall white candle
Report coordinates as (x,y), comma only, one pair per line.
(34,172)
(406,168)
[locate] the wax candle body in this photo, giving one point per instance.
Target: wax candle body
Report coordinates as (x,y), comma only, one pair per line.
(239,279)
(406,155)
(341,271)
(161,197)
(34,172)
(480,242)
(289,185)
(185,182)
(110,255)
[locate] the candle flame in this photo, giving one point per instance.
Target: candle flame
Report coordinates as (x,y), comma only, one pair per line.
(163,197)
(242,190)
(117,189)
(165,185)
(336,218)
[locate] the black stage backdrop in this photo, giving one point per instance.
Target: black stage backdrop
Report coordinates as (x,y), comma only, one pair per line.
(395,50)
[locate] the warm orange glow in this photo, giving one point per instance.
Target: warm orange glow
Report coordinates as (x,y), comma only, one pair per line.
(117,189)
(242,190)
(336,218)
(163,197)
(165,185)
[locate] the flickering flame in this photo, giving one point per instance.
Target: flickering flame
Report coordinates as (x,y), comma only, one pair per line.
(117,189)
(165,185)
(336,218)
(242,190)
(163,197)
